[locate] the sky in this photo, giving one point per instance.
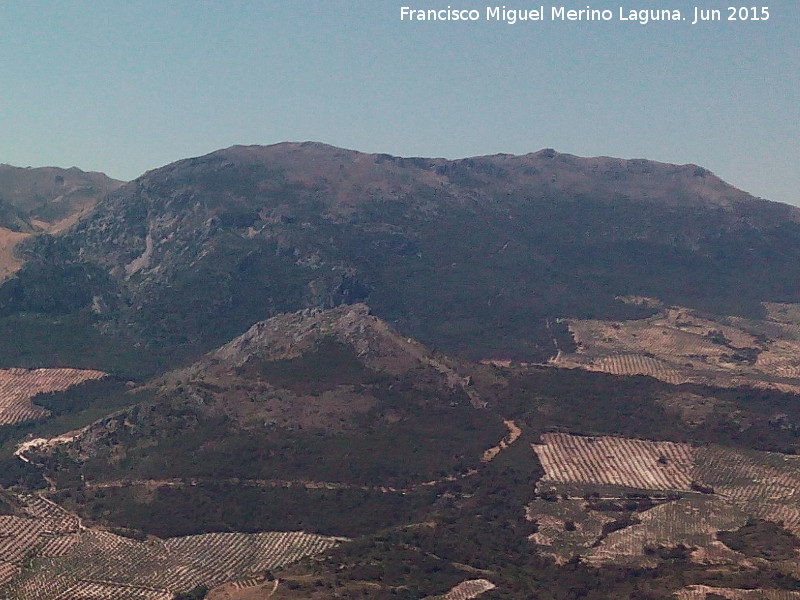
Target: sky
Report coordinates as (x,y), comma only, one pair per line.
(127,86)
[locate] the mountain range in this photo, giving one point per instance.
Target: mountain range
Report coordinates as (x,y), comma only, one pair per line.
(537,376)
(478,256)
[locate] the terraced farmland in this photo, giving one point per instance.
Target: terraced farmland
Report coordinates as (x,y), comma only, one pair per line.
(466,590)
(615,461)
(574,527)
(102,590)
(255,588)
(39,526)
(752,476)
(156,568)
(19,386)
(765,484)
(679,346)
(700,592)
(696,493)
(66,560)
(692,522)
(717,553)
(784,313)
(639,364)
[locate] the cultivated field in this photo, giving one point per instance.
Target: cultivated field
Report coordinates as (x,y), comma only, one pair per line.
(750,476)
(257,588)
(695,494)
(615,461)
(692,522)
(39,525)
(66,560)
(565,528)
(639,364)
(466,590)
(677,345)
(700,592)
(19,386)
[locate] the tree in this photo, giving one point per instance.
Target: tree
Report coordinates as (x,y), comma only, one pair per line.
(197,593)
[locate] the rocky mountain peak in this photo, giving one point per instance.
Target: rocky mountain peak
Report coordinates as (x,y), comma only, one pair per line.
(291,335)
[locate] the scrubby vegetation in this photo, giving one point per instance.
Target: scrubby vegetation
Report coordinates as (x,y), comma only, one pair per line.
(170,511)
(762,539)
(196,593)
(71,409)
(598,403)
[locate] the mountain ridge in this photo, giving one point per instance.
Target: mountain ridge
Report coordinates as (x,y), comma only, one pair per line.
(34,189)
(43,199)
(509,244)
(601,167)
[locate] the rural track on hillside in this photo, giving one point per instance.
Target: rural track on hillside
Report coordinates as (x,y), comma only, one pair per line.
(487,456)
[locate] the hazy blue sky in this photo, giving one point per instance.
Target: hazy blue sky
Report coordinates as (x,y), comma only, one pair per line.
(126,86)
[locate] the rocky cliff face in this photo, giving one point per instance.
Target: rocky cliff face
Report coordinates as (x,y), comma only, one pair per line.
(289,336)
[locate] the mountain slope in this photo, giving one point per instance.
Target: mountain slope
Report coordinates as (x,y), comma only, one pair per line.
(15,226)
(452,477)
(43,199)
(13,219)
(308,390)
(477,256)
(51,195)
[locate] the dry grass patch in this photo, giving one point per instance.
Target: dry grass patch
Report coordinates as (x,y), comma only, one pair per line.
(10,263)
(513,435)
(472,588)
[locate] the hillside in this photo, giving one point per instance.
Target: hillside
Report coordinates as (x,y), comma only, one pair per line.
(13,219)
(50,196)
(43,199)
(331,396)
(679,345)
(442,471)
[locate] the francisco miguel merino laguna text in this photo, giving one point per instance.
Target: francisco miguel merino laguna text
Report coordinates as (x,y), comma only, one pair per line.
(555,13)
